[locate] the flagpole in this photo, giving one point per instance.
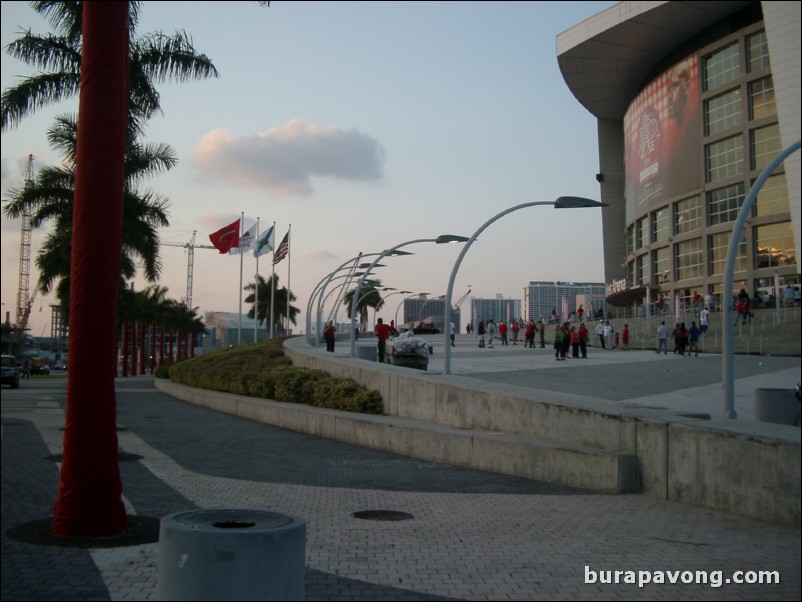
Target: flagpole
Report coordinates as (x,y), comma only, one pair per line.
(256,288)
(272,292)
(239,315)
(289,258)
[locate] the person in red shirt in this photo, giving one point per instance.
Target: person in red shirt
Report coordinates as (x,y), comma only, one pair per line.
(625,336)
(382,331)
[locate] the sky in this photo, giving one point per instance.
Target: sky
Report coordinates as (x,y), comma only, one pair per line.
(360,126)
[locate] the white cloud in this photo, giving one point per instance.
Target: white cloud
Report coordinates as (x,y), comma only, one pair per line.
(283,160)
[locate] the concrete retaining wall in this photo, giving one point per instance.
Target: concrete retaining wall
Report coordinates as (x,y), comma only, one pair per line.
(750,469)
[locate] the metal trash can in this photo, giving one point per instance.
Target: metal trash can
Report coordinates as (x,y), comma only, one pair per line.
(226,554)
(777,405)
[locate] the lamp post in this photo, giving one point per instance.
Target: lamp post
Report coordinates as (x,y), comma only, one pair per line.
(320,287)
(728,348)
(564,202)
(402,302)
(442,239)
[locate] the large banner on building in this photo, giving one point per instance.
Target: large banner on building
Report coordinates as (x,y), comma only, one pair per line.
(663,136)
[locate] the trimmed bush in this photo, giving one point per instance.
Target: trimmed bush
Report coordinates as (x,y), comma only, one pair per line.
(262,370)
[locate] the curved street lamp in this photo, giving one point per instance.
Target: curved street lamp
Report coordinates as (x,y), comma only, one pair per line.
(320,287)
(727,343)
(442,239)
(564,202)
(402,302)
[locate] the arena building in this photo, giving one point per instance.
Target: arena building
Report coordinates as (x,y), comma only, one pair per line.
(692,100)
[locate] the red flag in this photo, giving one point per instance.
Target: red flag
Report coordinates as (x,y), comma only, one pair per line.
(226,238)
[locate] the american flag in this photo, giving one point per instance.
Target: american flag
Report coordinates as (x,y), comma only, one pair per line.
(282,250)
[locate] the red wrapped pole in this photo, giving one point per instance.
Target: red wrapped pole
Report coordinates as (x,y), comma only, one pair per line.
(89,501)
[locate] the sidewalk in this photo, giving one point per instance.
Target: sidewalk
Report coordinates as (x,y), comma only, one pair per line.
(472,535)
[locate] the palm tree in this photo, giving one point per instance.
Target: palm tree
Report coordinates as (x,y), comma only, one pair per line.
(50,197)
(154,57)
(282,306)
(369,296)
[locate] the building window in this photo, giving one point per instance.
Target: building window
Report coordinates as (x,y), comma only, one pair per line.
(642,265)
(773,197)
(631,239)
(660,225)
(688,215)
(766,145)
(723,112)
(719,246)
(757,48)
(631,272)
(774,246)
(661,265)
(689,259)
(761,99)
(642,238)
(723,204)
(722,66)
(725,158)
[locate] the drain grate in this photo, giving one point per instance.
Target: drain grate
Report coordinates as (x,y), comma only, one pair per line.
(385,515)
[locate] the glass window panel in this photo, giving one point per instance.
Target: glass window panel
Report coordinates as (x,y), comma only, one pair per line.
(761,99)
(757,48)
(773,197)
(725,158)
(765,146)
(661,265)
(719,246)
(642,235)
(688,215)
(722,66)
(723,112)
(723,204)
(689,259)
(774,246)
(660,225)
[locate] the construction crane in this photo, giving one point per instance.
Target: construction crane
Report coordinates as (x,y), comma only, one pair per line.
(190,247)
(23,303)
(461,301)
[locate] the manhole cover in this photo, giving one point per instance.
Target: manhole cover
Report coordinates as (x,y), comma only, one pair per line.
(382,515)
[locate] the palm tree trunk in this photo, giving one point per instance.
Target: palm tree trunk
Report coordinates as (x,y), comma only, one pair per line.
(153,347)
(89,501)
(125,349)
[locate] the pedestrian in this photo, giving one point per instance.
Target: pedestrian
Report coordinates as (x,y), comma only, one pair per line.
(682,339)
(26,369)
(491,333)
(481,331)
(453,333)
(704,320)
(559,353)
(329,333)
(502,332)
(580,313)
(583,340)
(574,338)
(675,337)
(566,339)
(529,334)
(625,336)
(662,338)
(600,333)
(607,330)
(693,339)
(541,327)
(382,331)
(516,327)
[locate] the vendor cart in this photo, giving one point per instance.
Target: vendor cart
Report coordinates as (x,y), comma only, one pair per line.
(408,360)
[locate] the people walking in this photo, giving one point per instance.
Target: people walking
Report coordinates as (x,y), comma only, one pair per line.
(600,333)
(559,352)
(491,332)
(693,340)
(662,338)
(481,332)
(541,327)
(583,340)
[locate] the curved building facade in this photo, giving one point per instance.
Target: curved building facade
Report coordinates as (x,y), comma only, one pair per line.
(693,100)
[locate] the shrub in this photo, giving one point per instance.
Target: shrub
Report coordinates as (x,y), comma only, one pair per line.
(262,370)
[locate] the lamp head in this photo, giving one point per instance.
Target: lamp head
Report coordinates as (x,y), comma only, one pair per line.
(449,238)
(576,202)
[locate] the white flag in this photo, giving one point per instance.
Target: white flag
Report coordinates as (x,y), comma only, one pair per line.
(246,241)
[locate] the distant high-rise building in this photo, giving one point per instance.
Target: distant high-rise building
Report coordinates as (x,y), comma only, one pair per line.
(498,309)
(544,300)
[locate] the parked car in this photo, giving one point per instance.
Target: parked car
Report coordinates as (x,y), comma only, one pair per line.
(10,371)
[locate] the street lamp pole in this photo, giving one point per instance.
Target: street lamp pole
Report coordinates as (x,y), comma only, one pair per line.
(728,346)
(564,202)
(442,239)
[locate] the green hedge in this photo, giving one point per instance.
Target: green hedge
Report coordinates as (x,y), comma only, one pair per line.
(262,370)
